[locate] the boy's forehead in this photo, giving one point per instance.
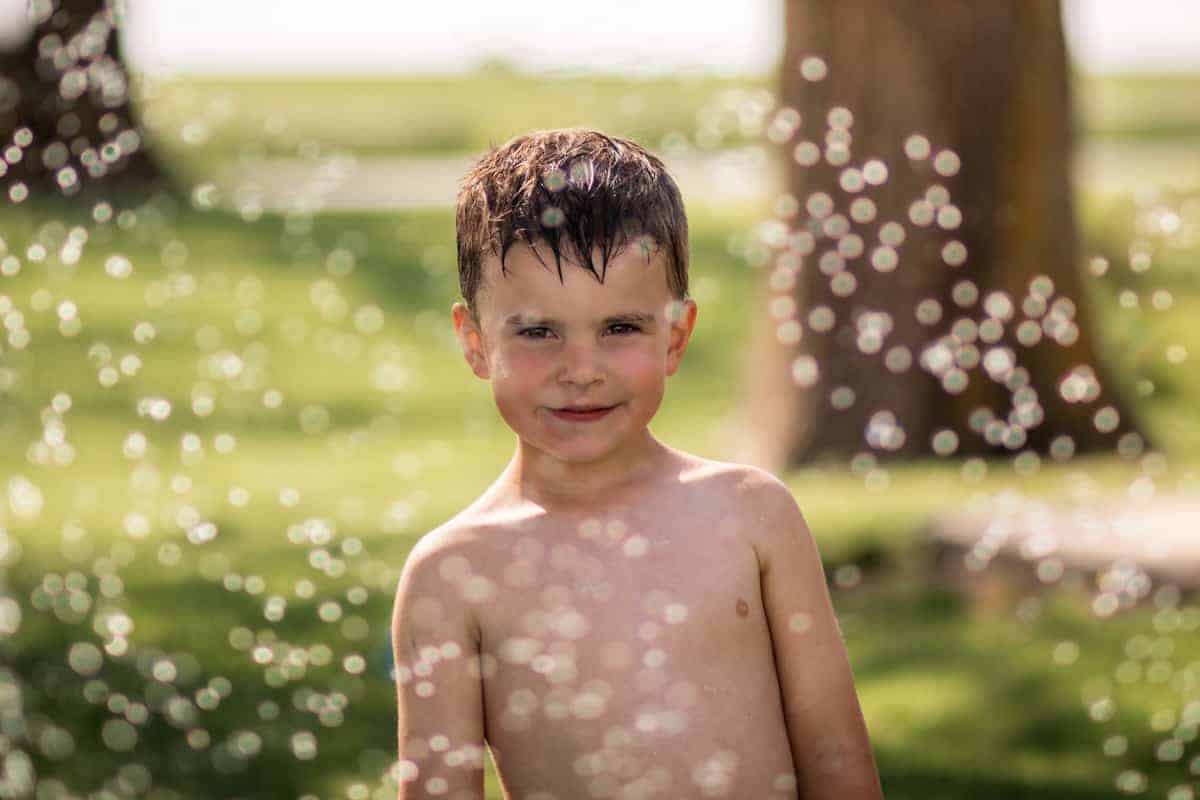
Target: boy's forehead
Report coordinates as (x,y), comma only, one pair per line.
(631,271)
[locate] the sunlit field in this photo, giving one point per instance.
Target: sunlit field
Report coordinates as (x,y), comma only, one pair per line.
(437,115)
(221,437)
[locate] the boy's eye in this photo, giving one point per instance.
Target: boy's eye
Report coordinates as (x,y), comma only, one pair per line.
(534,333)
(542,332)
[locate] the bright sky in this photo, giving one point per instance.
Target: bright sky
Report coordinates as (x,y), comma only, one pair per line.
(365,36)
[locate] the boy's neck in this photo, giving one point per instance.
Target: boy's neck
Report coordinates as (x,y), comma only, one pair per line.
(555,485)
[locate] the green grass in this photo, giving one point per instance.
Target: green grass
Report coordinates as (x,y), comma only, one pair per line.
(960,701)
(207,124)
(204,123)
(1141,107)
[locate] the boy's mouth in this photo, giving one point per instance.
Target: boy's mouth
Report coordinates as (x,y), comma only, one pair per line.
(581,413)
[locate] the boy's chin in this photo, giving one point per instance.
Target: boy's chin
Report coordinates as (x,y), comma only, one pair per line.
(578,453)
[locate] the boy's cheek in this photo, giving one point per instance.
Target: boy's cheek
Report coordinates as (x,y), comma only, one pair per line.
(645,364)
(519,366)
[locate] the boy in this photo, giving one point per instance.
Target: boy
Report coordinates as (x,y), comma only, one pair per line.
(615,617)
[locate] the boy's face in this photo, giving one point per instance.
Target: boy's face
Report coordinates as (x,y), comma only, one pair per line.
(548,346)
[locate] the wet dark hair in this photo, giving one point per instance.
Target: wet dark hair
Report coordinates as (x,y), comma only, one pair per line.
(574,189)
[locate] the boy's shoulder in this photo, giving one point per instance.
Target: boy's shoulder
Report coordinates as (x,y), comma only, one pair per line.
(706,486)
(732,480)
(739,479)
(762,503)
(458,536)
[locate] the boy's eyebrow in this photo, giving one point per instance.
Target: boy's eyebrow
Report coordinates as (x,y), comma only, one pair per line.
(518,319)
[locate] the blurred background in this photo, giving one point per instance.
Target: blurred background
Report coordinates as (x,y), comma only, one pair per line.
(231,400)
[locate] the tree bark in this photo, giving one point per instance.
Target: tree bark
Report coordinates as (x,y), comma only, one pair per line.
(987,85)
(66,126)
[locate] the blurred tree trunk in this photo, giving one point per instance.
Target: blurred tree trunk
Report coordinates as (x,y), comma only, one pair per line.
(989,82)
(65,120)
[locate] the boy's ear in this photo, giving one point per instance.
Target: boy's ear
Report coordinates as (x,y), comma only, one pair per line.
(681,314)
(466,327)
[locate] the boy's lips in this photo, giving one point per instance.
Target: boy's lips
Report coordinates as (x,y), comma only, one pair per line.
(581,413)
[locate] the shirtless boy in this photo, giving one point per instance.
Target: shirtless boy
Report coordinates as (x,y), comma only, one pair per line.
(616,618)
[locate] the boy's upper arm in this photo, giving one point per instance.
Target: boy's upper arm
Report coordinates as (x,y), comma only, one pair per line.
(827,733)
(435,645)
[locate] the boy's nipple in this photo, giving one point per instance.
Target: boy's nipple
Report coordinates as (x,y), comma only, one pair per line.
(743,608)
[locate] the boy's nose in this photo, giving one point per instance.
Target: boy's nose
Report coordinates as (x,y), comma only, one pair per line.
(581,364)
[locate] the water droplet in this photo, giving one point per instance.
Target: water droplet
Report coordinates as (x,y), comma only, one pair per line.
(949,217)
(945,442)
(885,259)
(821,319)
(813,68)
(965,293)
(819,205)
(851,180)
(554,179)
(805,371)
(806,153)
(946,163)
(1106,419)
(875,172)
(842,397)
(916,147)
(862,210)
(840,117)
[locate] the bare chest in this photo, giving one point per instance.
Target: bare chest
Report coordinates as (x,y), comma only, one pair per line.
(635,642)
(577,584)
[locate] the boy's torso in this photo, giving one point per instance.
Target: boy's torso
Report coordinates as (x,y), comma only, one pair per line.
(626,651)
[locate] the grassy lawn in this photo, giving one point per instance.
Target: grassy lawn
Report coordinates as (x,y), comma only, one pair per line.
(206,124)
(321,418)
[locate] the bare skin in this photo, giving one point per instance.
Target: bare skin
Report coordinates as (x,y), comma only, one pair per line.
(615,617)
(633,654)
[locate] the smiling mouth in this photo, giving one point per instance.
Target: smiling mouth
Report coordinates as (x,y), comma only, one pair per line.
(582,413)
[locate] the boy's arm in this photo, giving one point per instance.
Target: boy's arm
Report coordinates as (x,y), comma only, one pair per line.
(826,730)
(435,645)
